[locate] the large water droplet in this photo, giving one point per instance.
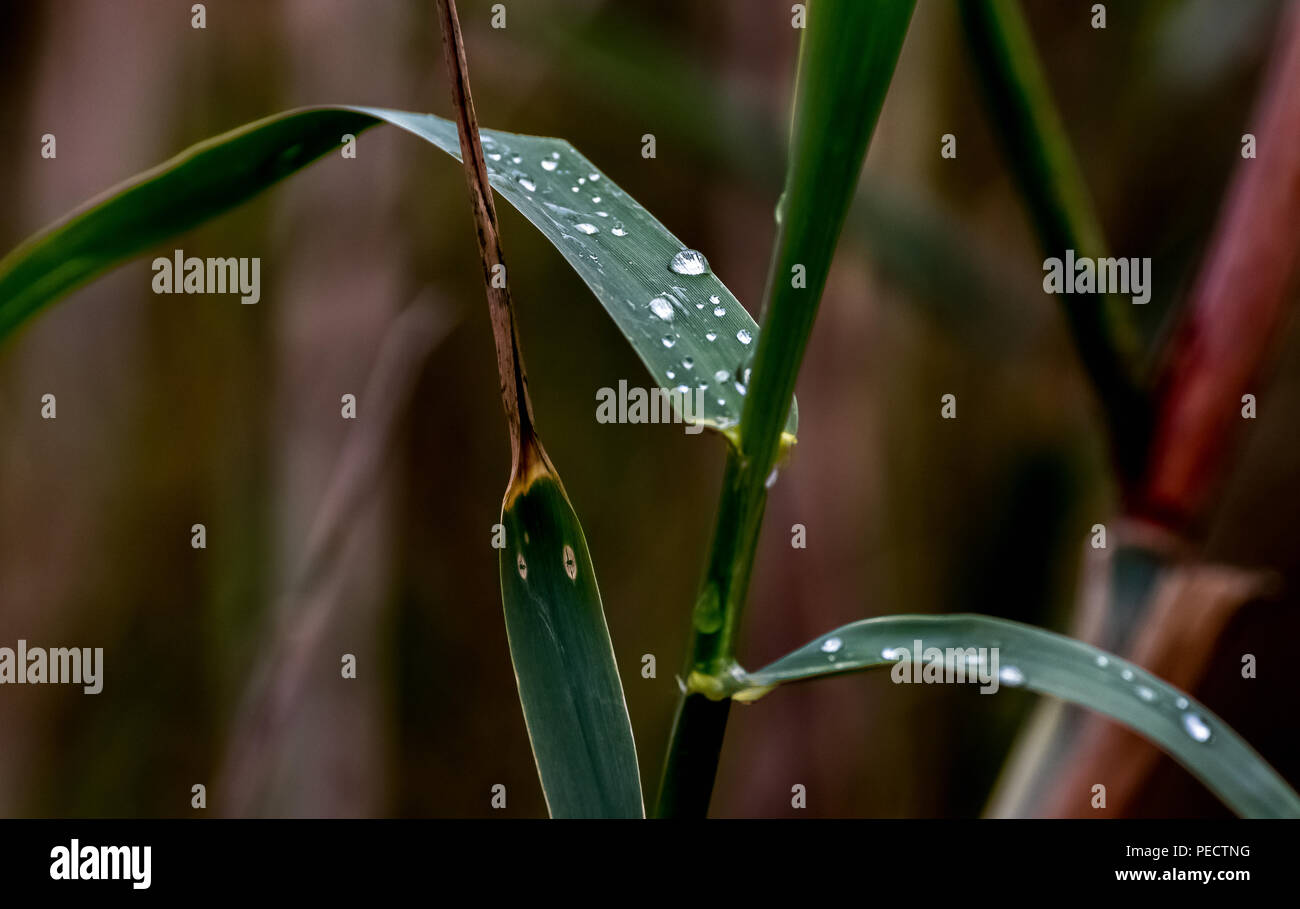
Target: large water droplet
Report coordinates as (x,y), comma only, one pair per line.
(688,362)
(1127,675)
(1181,703)
(527,184)
(1103,661)
(689,262)
(619,232)
(1145,693)
(722,375)
(669,340)
(549,165)
(586,228)
(832,645)
(570,563)
(743,336)
(719,311)
(1010,675)
(671,374)
(1196,727)
(710,336)
(662,308)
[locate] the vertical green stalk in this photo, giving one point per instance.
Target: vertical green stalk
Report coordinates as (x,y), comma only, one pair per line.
(846,61)
(1037,148)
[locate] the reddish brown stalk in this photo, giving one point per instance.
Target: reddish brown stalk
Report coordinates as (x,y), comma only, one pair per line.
(1236,309)
(524,449)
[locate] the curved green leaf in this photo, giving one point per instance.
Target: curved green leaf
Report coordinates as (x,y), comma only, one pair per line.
(564,662)
(617,247)
(1053,664)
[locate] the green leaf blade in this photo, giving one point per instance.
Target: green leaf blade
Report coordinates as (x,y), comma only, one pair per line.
(197,185)
(1071,670)
(705,328)
(568,680)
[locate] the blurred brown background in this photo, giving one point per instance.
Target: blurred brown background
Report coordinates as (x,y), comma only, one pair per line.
(195,409)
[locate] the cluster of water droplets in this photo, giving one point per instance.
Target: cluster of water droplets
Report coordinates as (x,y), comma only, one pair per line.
(498,156)
(1192,723)
(687,262)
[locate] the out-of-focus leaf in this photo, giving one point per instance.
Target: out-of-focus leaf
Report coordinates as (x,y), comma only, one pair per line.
(1052,664)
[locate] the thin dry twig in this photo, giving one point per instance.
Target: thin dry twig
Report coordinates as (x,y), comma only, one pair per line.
(524,448)
(310,606)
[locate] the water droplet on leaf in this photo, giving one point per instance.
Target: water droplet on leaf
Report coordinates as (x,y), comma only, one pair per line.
(1010,675)
(689,262)
(1196,727)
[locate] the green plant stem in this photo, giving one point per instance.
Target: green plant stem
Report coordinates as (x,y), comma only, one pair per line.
(701,720)
(692,762)
(846,61)
(1030,130)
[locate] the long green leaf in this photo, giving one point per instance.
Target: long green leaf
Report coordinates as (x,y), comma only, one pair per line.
(1062,667)
(689,330)
(564,662)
